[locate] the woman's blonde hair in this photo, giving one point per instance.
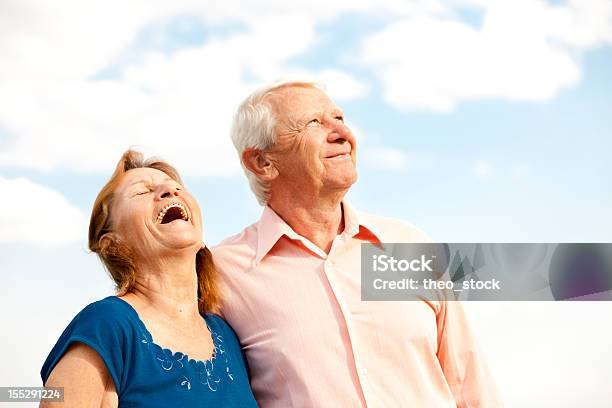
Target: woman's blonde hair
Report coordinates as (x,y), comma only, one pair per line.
(117,256)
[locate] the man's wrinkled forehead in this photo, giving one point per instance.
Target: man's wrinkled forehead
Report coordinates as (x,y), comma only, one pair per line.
(290,100)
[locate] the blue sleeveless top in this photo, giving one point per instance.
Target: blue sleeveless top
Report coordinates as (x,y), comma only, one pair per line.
(145,374)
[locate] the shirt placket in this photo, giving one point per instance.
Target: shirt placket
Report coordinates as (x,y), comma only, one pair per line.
(361,369)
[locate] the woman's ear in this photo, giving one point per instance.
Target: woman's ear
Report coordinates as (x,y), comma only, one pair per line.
(259,163)
(107,240)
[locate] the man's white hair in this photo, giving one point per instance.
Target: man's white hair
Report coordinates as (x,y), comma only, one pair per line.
(254,127)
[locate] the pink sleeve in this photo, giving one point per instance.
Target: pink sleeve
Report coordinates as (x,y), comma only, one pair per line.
(462,362)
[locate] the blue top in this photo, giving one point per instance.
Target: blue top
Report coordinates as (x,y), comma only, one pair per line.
(145,375)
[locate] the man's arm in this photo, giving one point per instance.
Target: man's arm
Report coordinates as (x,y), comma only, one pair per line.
(462,362)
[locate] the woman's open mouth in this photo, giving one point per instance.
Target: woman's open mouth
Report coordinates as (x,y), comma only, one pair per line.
(172,212)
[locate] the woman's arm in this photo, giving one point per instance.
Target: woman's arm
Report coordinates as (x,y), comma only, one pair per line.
(85,379)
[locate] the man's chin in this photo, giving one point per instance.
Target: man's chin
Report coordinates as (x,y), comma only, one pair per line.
(343,183)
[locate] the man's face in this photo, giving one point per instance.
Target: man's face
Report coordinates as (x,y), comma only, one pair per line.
(314,149)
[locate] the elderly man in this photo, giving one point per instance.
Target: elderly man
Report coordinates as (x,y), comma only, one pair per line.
(292,280)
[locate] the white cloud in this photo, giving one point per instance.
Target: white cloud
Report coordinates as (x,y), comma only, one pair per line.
(524,50)
(339,85)
(178,106)
(37,215)
(387,158)
(342,86)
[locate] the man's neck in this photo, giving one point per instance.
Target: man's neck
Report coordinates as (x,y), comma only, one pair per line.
(319,220)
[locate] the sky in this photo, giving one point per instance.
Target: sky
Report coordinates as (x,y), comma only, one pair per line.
(476,120)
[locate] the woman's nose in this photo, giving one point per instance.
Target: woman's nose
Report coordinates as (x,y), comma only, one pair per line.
(167,191)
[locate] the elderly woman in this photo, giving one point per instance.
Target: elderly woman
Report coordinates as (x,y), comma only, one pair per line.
(158,342)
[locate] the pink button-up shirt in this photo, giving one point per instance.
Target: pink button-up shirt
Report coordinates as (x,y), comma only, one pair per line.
(311,341)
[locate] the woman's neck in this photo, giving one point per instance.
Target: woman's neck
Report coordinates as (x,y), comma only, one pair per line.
(168,285)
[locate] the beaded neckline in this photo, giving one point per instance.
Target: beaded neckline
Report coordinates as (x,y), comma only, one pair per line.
(176,356)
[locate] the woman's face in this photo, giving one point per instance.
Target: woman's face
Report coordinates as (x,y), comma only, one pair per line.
(154,215)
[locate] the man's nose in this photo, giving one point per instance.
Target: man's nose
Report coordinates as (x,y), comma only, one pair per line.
(339,132)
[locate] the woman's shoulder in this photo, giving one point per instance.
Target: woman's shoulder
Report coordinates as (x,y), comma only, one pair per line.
(102,319)
(110,311)
(104,322)
(108,305)
(105,326)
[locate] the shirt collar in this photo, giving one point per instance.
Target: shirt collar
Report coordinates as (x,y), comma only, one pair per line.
(272,227)
(359,225)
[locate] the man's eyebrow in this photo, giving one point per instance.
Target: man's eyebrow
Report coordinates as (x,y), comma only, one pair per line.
(337,111)
(308,115)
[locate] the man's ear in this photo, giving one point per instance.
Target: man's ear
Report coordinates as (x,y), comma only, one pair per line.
(259,163)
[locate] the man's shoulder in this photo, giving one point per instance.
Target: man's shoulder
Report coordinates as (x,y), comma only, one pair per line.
(242,245)
(393,229)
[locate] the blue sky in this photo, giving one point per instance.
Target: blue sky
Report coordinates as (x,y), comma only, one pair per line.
(477,121)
